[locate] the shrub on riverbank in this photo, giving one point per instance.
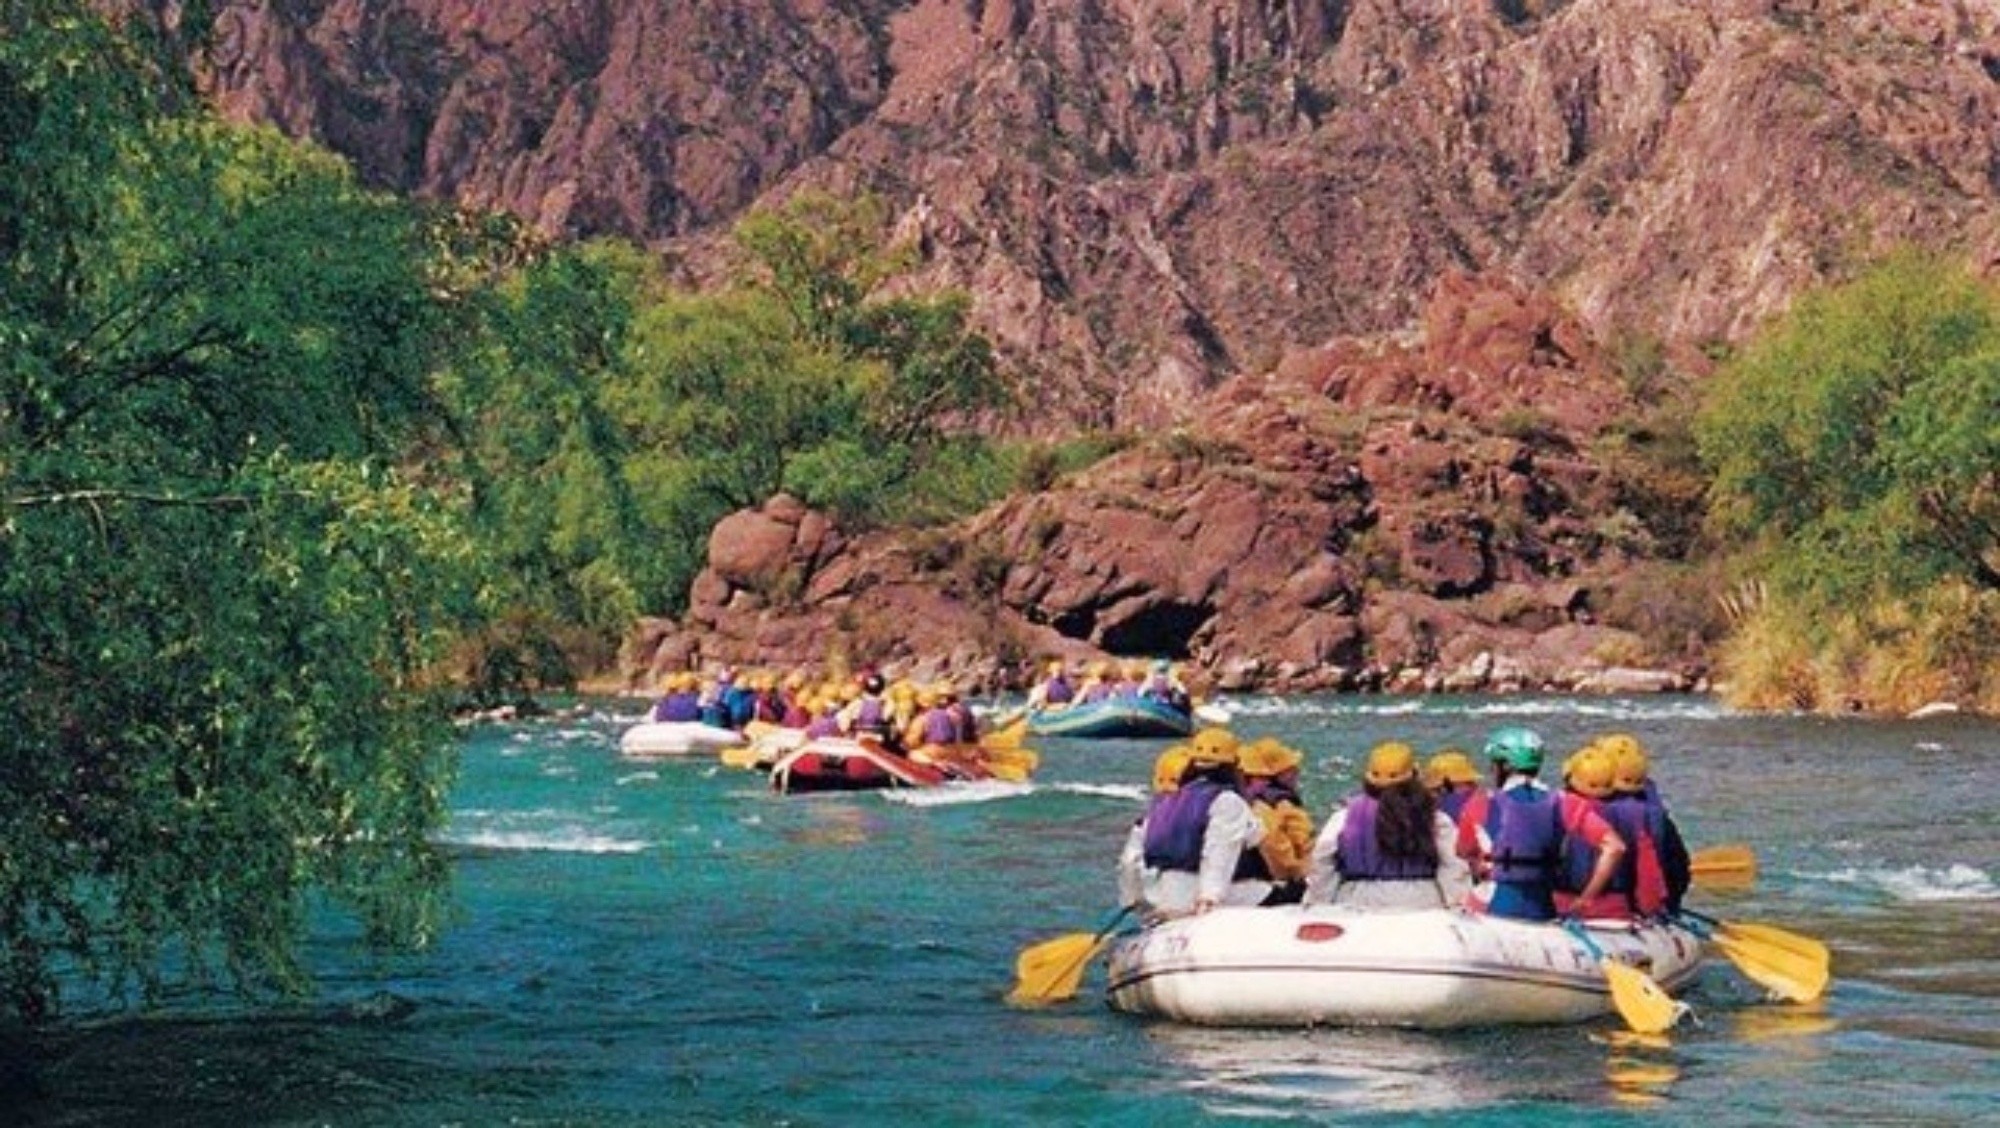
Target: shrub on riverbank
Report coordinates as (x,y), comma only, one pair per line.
(1892,658)
(1855,450)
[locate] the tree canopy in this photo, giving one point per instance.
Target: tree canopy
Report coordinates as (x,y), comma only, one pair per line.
(218,595)
(1862,435)
(277,453)
(614,419)
(1856,448)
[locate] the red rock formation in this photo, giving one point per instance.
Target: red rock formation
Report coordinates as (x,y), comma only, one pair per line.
(1339,523)
(1216,214)
(1149,196)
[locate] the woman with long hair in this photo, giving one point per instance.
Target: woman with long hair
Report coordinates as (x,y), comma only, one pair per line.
(1388,847)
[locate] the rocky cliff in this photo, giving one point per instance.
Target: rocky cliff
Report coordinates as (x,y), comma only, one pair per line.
(1146,197)
(1349,520)
(1361,272)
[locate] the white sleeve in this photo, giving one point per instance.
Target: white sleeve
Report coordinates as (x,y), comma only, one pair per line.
(1132,867)
(1322,876)
(1454,877)
(1232,828)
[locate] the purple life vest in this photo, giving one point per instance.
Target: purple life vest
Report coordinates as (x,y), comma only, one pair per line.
(679,706)
(872,717)
(1630,817)
(1361,857)
(939,728)
(1177,823)
(1058,691)
(1528,844)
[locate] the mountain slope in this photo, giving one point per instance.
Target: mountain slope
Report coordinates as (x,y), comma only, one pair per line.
(1145,196)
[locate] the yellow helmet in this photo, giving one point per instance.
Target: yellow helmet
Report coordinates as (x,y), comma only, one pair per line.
(1628,766)
(1390,763)
(1449,766)
(1214,746)
(1612,742)
(1168,769)
(1264,756)
(1589,772)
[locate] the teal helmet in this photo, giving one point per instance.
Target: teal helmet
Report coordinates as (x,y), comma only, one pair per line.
(1518,748)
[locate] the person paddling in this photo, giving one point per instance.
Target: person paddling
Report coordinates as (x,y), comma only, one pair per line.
(1271,784)
(1587,780)
(1635,801)
(1053,691)
(1167,772)
(1452,781)
(1519,831)
(1196,835)
(681,703)
(1388,847)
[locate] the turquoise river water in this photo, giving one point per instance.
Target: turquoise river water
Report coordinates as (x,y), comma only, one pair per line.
(669,943)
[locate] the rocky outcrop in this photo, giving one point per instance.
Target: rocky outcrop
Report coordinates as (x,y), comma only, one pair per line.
(1148,197)
(1262,233)
(1341,522)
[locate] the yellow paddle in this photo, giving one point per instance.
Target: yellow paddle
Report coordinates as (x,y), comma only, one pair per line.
(1723,867)
(1643,1004)
(742,756)
(1014,766)
(1052,970)
(1007,736)
(1793,967)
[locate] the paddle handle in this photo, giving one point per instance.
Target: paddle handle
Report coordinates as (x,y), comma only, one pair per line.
(1701,922)
(1117,918)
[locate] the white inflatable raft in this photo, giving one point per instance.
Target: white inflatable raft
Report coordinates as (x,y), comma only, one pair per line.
(650,739)
(1325,965)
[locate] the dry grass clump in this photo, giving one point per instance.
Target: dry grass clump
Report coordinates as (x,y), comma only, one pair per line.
(1891,657)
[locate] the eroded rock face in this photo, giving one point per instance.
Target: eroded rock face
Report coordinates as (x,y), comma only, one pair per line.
(1148,197)
(1339,523)
(1274,222)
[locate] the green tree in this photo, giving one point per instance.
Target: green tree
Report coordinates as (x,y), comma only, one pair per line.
(219,602)
(612,421)
(1854,450)
(1857,439)
(906,373)
(820,256)
(531,396)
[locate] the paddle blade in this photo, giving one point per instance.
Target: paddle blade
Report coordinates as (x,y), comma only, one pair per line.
(1789,965)
(1052,970)
(1724,867)
(1021,760)
(1009,736)
(1642,1003)
(744,756)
